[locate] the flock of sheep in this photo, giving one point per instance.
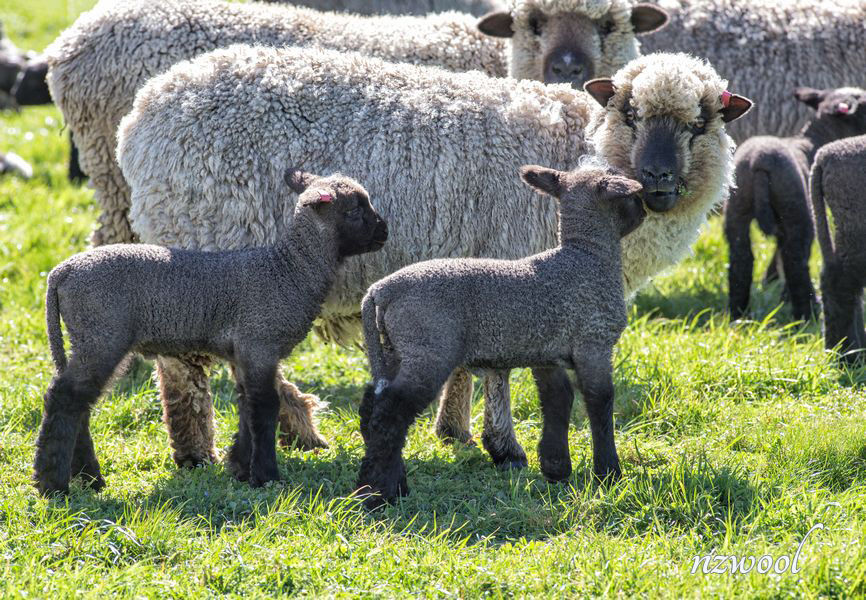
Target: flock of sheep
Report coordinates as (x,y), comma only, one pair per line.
(197,120)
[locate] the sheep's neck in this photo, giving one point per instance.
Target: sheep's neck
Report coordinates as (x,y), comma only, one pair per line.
(815,134)
(309,259)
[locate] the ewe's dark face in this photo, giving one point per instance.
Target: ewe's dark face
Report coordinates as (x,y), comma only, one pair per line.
(671,140)
(560,41)
(344,206)
(842,111)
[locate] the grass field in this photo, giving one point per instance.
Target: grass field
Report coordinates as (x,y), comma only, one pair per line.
(735,440)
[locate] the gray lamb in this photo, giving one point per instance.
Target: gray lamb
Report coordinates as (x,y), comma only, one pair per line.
(772,175)
(560,308)
(839,180)
(250,307)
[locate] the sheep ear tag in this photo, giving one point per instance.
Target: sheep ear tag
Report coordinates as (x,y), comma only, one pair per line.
(325,198)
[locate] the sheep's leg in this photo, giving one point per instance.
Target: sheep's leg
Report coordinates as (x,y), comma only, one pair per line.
(239,455)
(260,406)
(387,411)
(498,437)
(297,422)
(67,404)
(455,405)
(595,380)
(738,218)
(843,312)
(110,190)
(795,237)
(84,461)
(557,397)
(187,409)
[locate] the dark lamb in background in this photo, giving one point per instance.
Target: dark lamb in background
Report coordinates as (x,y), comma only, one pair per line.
(560,308)
(771,187)
(839,182)
(250,307)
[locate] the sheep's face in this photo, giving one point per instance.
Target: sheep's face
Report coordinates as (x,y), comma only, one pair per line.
(31,86)
(589,197)
(663,124)
(571,41)
(838,112)
(343,206)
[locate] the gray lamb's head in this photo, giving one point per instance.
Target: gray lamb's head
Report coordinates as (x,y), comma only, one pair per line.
(592,199)
(342,206)
(664,124)
(841,111)
(571,41)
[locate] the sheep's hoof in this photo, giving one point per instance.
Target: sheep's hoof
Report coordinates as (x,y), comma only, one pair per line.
(450,434)
(50,489)
(192,461)
(303,444)
(505,456)
(608,475)
(257,480)
(94,482)
(512,465)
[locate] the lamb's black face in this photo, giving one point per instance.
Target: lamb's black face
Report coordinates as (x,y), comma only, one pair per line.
(31,87)
(359,226)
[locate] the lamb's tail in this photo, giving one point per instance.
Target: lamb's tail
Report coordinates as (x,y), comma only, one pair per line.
(763,211)
(52,321)
(374,330)
(819,210)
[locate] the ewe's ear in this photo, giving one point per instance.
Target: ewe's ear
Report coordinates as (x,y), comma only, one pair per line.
(547,181)
(600,89)
(496,24)
(298,180)
(810,96)
(734,106)
(648,17)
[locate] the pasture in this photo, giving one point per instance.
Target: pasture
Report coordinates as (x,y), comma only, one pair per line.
(736,440)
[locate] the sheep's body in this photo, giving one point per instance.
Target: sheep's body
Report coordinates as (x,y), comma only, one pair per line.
(250,307)
(767,48)
(837,181)
(771,177)
(398,7)
(561,307)
(439,152)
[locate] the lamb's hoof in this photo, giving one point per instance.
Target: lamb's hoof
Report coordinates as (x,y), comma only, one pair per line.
(372,499)
(556,471)
(50,489)
(512,465)
(259,479)
(511,456)
(238,466)
(608,475)
(94,482)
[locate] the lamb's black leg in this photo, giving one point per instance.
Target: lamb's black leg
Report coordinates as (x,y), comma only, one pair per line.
(595,379)
(84,461)
(843,316)
(240,453)
(795,236)
(556,396)
(67,405)
(738,218)
(262,406)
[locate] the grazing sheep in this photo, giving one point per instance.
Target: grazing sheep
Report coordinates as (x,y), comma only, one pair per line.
(250,307)
(440,153)
(560,308)
(397,7)
(98,64)
(771,175)
(768,47)
(838,180)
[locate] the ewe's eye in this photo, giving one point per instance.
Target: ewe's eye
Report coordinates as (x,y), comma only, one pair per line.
(607,27)
(699,126)
(630,117)
(535,23)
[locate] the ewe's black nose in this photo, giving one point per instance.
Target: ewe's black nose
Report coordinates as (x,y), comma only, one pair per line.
(567,67)
(660,176)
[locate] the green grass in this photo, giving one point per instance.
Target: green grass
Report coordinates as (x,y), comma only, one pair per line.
(735,439)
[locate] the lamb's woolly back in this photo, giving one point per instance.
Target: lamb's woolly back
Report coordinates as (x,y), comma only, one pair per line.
(397,7)
(768,48)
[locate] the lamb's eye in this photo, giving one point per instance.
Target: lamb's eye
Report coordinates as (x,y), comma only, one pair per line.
(354,213)
(535,24)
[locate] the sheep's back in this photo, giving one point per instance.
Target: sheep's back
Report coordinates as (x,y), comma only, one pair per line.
(206,146)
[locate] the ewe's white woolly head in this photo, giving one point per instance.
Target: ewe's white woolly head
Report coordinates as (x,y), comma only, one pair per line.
(600,30)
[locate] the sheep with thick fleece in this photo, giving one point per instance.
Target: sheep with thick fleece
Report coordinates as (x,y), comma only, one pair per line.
(98,64)
(250,307)
(771,187)
(398,7)
(838,181)
(767,48)
(560,308)
(439,152)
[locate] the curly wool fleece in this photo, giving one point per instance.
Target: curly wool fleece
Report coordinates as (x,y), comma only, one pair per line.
(769,47)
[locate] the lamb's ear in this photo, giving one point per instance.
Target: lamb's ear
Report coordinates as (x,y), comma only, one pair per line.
(298,180)
(810,96)
(547,181)
(623,192)
(600,89)
(617,186)
(734,106)
(496,24)
(316,198)
(648,17)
